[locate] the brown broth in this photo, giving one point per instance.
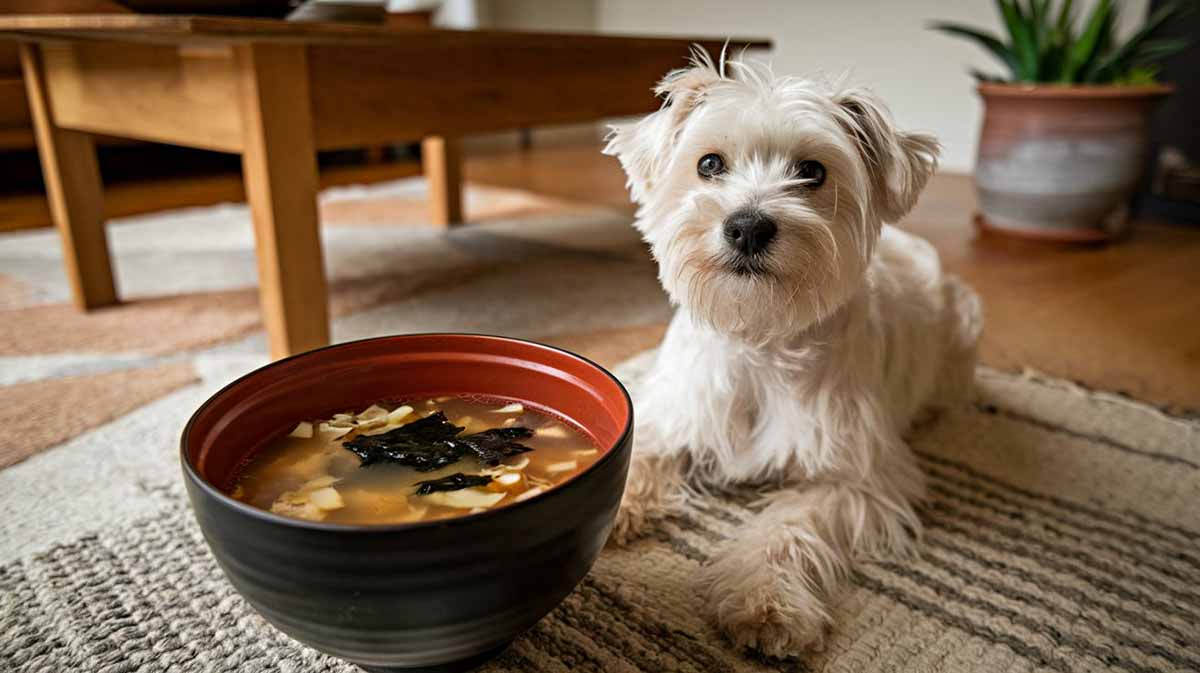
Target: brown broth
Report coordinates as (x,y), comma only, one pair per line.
(317,478)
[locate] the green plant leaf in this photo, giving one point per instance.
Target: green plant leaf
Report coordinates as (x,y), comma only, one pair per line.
(1083,50)
(1138,76)
(1061,39)
(1107,39)
(1045,45)
(1120,59)
(1023,44)
(1038,9)
(1054,52)
(1052,60)
(1038,25)
(989,42)
(1065,19)
(983,76)
(1155,51)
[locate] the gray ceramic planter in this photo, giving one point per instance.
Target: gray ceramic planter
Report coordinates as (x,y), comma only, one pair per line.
(1061,162)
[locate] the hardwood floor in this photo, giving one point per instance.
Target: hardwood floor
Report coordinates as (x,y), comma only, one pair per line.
(1123,317)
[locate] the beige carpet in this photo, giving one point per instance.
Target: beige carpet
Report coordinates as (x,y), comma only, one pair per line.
(41,414)
(1062,532)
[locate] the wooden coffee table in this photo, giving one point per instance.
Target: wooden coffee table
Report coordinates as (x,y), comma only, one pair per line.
(275,93)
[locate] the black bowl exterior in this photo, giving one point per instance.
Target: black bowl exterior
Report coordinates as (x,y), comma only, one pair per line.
(418,595)
(421,596)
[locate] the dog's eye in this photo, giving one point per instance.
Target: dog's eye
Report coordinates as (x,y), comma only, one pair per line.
(710,166)
(812,172)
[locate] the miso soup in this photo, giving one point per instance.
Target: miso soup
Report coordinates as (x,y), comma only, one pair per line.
(413,461)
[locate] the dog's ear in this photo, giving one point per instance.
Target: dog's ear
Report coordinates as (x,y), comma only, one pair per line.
(644,146)
(898,163)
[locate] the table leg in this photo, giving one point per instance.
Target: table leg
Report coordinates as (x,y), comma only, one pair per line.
(280,171)
(74,191)
(441,159)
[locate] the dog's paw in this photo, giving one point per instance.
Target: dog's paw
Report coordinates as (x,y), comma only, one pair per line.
(652,489)
(759,602)
(774,632)
(630,524)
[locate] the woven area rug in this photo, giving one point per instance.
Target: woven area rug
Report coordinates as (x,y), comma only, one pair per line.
(1062,532)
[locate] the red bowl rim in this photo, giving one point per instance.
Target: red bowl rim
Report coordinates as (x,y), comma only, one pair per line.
(271,517)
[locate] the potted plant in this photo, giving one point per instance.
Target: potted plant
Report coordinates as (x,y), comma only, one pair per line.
(1064,131)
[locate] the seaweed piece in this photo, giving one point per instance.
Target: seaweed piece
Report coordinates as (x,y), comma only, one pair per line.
(490,446)
(425,444)
(454,482)
(433,442)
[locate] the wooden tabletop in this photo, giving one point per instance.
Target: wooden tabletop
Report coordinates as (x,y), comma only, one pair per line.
(186,28)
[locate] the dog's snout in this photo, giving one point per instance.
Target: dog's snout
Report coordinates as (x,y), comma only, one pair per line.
(749,231)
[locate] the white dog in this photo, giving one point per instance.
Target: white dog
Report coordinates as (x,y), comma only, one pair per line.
(809,333)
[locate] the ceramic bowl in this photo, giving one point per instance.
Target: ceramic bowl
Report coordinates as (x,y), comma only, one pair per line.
(434,596)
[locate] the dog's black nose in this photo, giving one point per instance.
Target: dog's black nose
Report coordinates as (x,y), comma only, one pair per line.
(749,231)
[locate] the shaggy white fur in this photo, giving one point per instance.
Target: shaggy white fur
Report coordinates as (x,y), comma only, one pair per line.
(798,362)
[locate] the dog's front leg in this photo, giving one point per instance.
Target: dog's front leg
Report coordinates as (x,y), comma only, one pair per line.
(654,488)
(772,586)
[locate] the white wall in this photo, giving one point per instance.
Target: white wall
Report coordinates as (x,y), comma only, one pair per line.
(547,15)
(881,43)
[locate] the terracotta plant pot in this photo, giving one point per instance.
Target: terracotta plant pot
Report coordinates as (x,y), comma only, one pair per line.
(435,596)
(1061,162)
